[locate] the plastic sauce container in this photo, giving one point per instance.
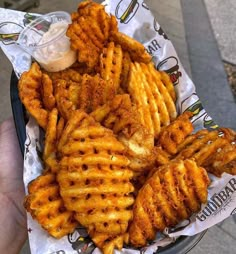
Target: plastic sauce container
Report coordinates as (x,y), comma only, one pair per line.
(46,41)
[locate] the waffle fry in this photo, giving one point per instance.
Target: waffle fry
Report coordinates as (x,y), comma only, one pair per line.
(95,92)
(136,50)
(126,61)
(111,63)
(89,31)
(46,206)
(95,180)
(29,87)
(48,98)
(175,133)
(153,100)
(122,118)
(175,192)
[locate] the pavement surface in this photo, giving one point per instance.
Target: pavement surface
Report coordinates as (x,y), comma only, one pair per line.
(185,26)
(222,18)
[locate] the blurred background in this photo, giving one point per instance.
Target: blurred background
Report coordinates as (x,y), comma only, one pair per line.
(203,33)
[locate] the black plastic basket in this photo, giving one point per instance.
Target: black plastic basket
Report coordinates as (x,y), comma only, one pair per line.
(181,246)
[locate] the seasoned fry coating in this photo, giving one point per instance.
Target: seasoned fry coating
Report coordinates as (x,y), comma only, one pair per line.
(46,206)
(89,31)
(111,63)
(170,195)
(69,74)
(136,50)
(154,103)
(95,92)
(123,119)
(47,93)
(168,84)
(29,87)
(125,71)
(223,160)
(175,133)
(95,180)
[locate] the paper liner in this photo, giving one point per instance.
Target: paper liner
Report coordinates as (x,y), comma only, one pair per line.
(140,24)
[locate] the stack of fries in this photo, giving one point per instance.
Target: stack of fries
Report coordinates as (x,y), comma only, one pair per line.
(118,159)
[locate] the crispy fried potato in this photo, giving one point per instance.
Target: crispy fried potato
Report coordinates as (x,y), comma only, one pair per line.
(165,78)
(29,87)
(154,103)
(224,160)
(126,62)
(95,92)
(89,31)
(47,95)
(65,94)
(46,206)
(175,133)
(136,50)
(174,192)
(70,74)
(94,178)
(123,119)
(111,63)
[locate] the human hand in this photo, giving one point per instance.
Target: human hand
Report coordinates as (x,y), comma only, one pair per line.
(13,229)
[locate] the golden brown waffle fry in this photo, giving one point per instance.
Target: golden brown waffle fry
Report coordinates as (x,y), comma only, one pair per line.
(198,143)
(46,206)
(69,74)
(166,90)
(29,87)
(121,117)
(47,93)
(94,179)
(65,100)
(175,133)
(168,84)
(87,51)
(89,31)
(53,132)
(111,63)
(136,50)
(174,192)
(153,100)
(95,92)
(126,61)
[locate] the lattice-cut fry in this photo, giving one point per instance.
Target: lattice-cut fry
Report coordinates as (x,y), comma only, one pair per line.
(136,50)
(29,87)
(166,91)
(126,61)
(224,160)
(46,206)
(154,103)
(168,84)
(95,179)
(70,74)
(174,192)
(48,98)
(111,63)
(52,135)
(65,98)
(175,133)
(88,52)
(95,92)
(123,119)
(200,146)
(89,31)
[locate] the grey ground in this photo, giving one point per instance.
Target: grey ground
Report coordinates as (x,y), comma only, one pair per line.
(181,21)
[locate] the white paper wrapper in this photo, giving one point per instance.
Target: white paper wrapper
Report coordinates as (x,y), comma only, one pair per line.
(140,24)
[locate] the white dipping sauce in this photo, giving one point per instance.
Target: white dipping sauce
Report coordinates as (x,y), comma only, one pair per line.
(56,54)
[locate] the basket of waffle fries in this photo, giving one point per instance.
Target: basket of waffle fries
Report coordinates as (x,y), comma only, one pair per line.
(119,155)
